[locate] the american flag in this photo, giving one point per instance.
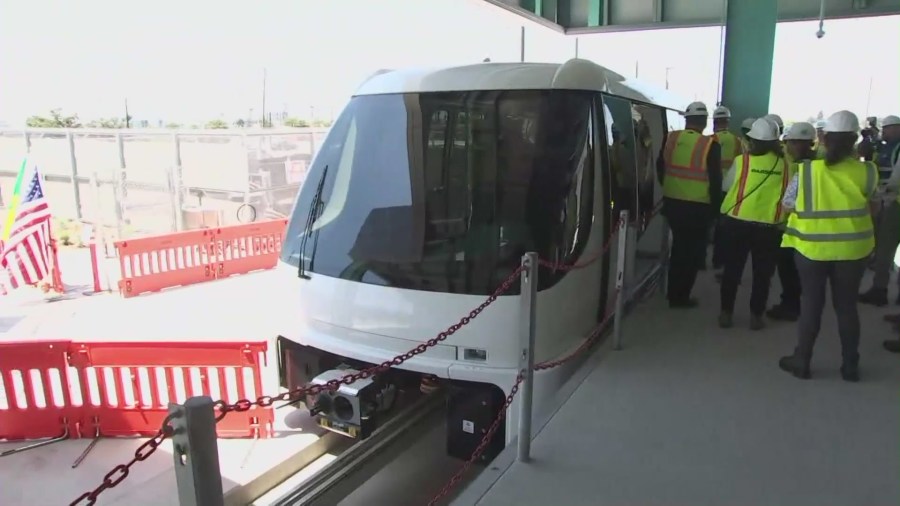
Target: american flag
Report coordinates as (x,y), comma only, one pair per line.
(26,255)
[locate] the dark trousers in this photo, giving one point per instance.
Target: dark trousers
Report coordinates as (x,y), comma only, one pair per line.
(845,277)
(761,243)
(690,225)
(719,246)
(790,279)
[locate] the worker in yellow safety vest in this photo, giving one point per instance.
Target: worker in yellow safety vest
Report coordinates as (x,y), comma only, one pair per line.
(798,142)
(746,125)
(751,213)
(832,230)
(732,147)
(820,139)
(689,169)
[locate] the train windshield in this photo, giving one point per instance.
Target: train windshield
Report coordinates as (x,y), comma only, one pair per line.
(445,191)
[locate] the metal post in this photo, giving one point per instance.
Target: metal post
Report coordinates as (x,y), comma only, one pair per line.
(620,279)
(196,453)
(119,191)
(529,312)
(73,163)
(522,46)
(27,135)
(177,197)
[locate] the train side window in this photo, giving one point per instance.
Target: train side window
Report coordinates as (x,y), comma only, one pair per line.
(674,121)
(621,147)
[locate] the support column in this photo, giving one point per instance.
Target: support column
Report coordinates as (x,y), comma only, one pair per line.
(749,49)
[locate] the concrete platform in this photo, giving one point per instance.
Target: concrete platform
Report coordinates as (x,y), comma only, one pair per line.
(689,414)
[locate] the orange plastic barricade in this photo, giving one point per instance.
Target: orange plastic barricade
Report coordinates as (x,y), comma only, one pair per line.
(246,248)
(34,399)
(149,264)
(128,385)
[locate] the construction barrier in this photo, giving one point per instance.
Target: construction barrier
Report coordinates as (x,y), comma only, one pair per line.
(247,248)
(87,389)
(150,264)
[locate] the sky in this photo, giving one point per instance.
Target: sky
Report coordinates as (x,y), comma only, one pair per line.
(192,61)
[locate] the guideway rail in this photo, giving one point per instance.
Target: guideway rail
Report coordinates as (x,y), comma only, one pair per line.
(220,409)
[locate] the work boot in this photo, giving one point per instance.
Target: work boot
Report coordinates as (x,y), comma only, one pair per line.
(892,318)
(725,320)
(875,297)
(850,372)
(757,322)
(796,365)
(892,346)
(783,313)
(683,304)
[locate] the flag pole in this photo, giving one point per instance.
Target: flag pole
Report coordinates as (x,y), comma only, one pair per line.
(14,201)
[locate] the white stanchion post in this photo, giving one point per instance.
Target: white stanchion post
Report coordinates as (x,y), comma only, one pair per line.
(620,279)
(528,296)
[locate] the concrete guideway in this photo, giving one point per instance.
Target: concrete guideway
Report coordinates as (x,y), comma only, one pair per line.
(688,413)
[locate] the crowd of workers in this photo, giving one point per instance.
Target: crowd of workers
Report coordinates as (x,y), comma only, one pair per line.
(811,203)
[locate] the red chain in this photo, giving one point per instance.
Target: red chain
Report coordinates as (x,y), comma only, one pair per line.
(117,474)
(484,442)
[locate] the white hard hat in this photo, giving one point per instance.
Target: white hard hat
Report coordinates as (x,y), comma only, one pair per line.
(721,112)
(801,131)
(748,123)
(696,109)
(842,122)
(820,125)
(774,118)
(763,130)
(890,121)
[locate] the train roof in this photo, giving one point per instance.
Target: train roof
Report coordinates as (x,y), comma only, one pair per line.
(575,74)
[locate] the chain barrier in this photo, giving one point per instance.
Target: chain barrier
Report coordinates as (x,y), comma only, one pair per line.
(117,474)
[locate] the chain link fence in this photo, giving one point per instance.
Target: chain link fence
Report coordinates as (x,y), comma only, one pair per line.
(142,182)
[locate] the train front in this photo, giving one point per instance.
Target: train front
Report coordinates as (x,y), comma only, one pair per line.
(416,208)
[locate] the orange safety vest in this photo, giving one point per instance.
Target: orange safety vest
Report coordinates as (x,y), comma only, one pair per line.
(686,175)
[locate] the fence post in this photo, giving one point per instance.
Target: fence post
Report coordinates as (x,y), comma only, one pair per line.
(119,188)
(528,297)
(27,135)
(176,185)
(620,279)
(73,164)
(196,454)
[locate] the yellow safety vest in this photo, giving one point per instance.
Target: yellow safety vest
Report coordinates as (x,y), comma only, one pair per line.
(732,147)
(831,219)
(686,177)
(757,189)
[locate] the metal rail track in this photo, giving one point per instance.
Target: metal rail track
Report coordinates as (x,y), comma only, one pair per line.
(356,464)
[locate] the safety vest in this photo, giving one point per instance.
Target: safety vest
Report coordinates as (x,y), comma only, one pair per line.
(732,147)
(831,219)
(886,157)
(686,177)
(757,189)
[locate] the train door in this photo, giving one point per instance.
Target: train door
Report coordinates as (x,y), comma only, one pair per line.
(603,184)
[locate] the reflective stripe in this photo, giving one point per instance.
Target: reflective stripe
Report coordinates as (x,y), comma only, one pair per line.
(688,174)
(785,180)
(745,173)
(808,212)
(847,236)
(696,170)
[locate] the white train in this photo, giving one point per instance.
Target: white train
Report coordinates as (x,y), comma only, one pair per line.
(430,187)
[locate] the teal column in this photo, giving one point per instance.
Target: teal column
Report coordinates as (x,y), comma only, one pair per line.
(749,49)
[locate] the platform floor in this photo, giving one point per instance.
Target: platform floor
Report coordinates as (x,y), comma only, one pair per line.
(689,414)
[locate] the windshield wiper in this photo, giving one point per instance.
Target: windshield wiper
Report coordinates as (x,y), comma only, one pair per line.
(311,216)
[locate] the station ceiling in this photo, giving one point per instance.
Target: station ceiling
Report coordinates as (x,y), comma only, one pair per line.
(592,16)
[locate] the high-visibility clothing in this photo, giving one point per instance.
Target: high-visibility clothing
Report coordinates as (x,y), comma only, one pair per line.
(757,189)
(732,147)
(686,175)
(831,219)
